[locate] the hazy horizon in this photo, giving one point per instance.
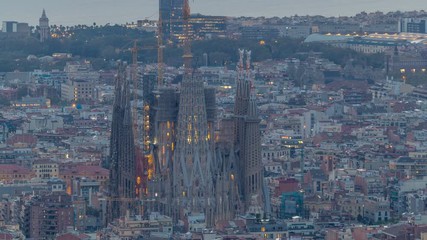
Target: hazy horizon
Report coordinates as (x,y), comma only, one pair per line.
(65,12)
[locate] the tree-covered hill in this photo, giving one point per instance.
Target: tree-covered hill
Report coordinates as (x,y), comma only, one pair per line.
(100,44)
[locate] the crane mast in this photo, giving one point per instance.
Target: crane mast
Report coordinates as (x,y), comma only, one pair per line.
(134,76)
(160,51)
(188,56)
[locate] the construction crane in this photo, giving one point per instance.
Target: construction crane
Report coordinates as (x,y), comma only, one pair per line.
(146,108)
(134,78)
(161,45)
(187,42)
(160,48)
(143,157)
(148,158)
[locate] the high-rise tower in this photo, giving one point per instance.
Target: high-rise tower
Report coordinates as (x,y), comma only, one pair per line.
(171,14)
(122,152)
(248,137)
(44,27)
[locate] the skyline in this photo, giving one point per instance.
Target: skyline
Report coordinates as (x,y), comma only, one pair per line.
(107,11)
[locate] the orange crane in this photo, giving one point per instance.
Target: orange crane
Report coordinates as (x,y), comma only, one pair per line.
(143,157)
(135,78)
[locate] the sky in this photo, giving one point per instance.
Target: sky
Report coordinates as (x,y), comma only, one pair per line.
(72,12)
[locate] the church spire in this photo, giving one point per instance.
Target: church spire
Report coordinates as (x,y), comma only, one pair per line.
(44,27)
(248,139)
(192,165)
(44,14)
(122,151)
(252,106)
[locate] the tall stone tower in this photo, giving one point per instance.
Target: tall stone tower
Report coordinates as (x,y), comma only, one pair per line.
(248,138)
(192,178)
(166,114)
(44,27)
(193,158)
(194,175)
(242,99)
(122,152)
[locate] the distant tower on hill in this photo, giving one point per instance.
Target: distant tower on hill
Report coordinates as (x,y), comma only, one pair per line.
(44,27)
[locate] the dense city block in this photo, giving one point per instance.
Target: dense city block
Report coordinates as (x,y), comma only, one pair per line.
(213,127)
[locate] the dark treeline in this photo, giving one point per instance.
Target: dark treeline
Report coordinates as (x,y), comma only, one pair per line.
(103,44)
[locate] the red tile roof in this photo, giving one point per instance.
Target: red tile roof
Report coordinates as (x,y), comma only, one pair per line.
(22,138)
(12,168)
(6,236)
(83,170)
(70,236)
